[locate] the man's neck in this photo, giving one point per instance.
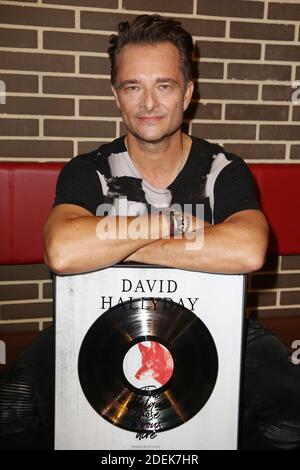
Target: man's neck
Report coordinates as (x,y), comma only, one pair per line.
(159,163)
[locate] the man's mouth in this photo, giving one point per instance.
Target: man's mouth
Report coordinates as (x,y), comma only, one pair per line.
(150,119)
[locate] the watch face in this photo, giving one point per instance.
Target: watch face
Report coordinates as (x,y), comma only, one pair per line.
(179,218)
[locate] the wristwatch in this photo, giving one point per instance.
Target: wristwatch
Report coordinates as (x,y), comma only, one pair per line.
(179,223)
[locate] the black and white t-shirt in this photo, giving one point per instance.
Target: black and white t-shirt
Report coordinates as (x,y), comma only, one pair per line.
(220,181)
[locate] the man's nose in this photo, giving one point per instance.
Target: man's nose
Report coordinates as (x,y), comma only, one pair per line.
(149,100)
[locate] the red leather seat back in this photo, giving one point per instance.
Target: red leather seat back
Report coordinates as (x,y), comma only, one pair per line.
(279,191)
(27,194)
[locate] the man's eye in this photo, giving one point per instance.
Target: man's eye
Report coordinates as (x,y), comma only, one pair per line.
(132,88)
(165,86)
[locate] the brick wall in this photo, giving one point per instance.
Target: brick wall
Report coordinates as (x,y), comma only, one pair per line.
(54,67)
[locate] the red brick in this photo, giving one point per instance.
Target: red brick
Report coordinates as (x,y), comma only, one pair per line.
(20,82)
(282,52)
(208,70)
(256,112)
(277,93)
(32,149)
(88,146)
(16,127)
(38,105)
(18,38)
(257,151)
(62,41)
(259,72)
(16,328)
(290,262)
(265,31)
(284,11)
(28,310)
(206,28)
(38,62)
(239,8)
(176,6)
(77,86)
(295,152)
(108,22)
(86,3)
(103,21)
(260,299)
(296,113)
(37,16)
(273,281)
(101,108)
(95,65)
(279,132)
(79,128)
(203,111)
(228,50)
(18,291)
(26,272)
(226,91)
(290,297)
(48,290)
(224,131)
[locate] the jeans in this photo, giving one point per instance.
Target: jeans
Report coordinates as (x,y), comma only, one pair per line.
(270,395)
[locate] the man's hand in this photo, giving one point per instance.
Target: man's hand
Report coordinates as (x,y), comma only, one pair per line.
(193,235)
(237,245)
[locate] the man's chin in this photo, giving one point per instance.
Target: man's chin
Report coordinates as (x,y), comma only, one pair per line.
(154,138)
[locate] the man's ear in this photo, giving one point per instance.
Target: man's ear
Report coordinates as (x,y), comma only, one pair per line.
(114,91)
(188,95)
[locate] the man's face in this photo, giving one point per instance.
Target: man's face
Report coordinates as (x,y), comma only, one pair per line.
(150,91)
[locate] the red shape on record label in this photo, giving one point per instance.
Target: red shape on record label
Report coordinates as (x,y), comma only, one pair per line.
(157,363)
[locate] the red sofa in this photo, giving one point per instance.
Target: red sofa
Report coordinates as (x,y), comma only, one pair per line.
(27,193)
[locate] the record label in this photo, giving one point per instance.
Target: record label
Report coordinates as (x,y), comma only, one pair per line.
(148,364)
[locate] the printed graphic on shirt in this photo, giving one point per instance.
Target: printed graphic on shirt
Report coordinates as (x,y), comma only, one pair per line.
(107,177)
(120,179)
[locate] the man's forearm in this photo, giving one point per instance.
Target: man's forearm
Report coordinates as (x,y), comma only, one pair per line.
(231,247)
(81,244)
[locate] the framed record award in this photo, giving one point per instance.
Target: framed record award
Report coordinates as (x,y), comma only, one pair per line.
(148,358)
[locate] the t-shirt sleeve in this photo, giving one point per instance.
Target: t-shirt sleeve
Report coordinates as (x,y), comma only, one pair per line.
(78,184)
(234,190)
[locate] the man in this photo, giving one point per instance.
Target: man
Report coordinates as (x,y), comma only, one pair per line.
(156,165)
(152,86)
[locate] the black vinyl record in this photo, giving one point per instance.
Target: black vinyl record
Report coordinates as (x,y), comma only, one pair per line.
(161,329)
